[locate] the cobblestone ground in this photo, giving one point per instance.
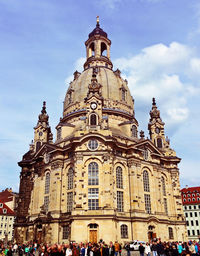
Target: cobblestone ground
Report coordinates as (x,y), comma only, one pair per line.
(133,253)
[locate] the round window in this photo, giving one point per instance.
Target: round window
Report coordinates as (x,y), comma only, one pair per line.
(93,144)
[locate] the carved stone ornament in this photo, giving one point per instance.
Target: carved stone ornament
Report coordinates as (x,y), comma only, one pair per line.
(56,165)
(46,158)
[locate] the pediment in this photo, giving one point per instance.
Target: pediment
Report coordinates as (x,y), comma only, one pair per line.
(93,96)
(46,148)
(147,144)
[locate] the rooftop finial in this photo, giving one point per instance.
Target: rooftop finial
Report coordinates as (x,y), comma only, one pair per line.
(97,21)
(153,101)
(44,108)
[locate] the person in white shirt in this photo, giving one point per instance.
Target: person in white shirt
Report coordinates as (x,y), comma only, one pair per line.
(147,249)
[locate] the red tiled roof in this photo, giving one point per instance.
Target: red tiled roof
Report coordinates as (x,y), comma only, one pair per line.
(8,210)
(6,196)
(190,195)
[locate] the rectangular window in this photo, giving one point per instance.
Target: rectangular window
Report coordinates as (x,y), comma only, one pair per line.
(194,206)
(195,214)
(66,232)
(171,235)
(59,133)
(192,223)
(197,223)
(198,232)
(185,207)
(193,232)
(188,232)
(187,223)
(147,201)
(46,203)
(69,201)
(190,214)
(165,205)
(93,198)
(186,214)
(119,178)
(120,201)
(93,177)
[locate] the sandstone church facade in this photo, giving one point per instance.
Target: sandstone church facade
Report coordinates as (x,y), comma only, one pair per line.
(99,179)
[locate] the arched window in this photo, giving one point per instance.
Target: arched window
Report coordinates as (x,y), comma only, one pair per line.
(123,94)
(93,174)
(146,181)
(159,143)
(70,178)
(93,119)
(103,49)
(119,177)
(91,50)
(66,232)
(134,131)
(163,186)
(171,235)
(124,231)
(47,183)
(38,145)
(165,205)
(27,237)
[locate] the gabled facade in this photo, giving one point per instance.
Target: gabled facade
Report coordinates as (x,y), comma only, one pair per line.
(7,217)
(191,208)
(99,179)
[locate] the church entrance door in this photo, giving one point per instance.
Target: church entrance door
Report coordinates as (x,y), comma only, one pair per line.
(93,236)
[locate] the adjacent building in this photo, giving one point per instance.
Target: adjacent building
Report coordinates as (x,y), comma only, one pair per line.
(191,207)
(6,222)
(10,198)
(100,178)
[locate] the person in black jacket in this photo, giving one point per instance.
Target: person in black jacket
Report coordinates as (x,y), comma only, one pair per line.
(141,249)
(160,249)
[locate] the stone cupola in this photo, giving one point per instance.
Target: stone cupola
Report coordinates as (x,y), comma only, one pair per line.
(98,48)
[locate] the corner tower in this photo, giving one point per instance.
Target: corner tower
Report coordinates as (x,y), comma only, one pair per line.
(42,132)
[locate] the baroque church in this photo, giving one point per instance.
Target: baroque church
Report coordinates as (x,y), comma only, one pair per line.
(100,178)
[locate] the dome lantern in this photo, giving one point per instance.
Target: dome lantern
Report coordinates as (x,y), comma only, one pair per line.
(98,48)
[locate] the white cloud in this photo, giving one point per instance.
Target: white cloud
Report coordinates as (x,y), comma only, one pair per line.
(195,65)
(77,66)
(163,72)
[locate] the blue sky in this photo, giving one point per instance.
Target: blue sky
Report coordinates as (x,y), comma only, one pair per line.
(155,43)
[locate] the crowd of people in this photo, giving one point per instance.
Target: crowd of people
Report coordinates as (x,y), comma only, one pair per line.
(156,248)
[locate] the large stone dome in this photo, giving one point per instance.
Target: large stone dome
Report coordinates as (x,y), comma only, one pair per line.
(113,89)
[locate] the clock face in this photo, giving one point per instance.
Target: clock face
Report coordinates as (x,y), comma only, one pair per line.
(157,130)
(93,105)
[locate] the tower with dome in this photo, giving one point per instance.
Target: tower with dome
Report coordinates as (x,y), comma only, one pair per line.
(100,178)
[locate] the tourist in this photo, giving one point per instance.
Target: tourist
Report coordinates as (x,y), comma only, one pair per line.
(117,248)
(111,249)
(147,249)
(141,249)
